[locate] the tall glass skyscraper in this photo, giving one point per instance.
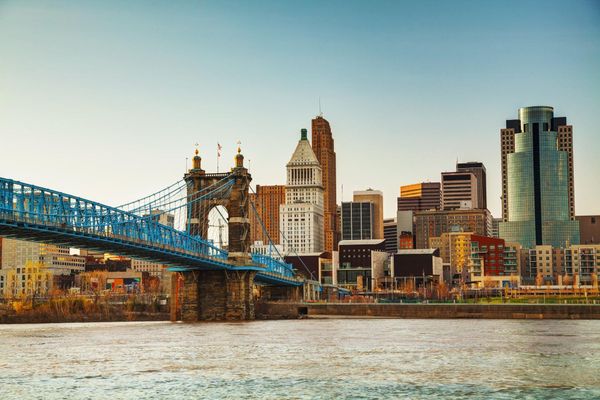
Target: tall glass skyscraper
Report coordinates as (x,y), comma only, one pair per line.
(537,180)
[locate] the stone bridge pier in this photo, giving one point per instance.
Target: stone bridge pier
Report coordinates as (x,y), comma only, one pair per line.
(218,295)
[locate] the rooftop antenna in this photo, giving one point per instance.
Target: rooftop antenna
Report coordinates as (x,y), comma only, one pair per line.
(320,112)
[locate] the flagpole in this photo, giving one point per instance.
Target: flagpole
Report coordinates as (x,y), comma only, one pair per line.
(219,148)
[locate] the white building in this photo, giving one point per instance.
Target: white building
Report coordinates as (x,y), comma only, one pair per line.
(162,217)
(301,217)
(30,267)
(59,259)
(150,267)
(267,249)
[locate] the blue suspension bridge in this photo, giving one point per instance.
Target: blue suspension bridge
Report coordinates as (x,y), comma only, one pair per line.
(168,227)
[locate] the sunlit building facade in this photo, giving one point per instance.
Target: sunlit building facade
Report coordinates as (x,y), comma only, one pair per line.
(301,217)
(537,179)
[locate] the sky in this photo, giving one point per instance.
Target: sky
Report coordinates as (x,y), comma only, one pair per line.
(107,99)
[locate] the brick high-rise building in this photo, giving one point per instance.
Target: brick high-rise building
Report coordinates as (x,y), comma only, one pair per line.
(435,223)
(323,146)
(589,229)
(266,200)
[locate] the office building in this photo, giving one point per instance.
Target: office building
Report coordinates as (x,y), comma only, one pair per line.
(301,217)
(405,227)
(390,234)
(36,268)
(361,263)
(308,265)
(459,190)
(495,231)
(479,260)
(162,217)
(538,203)
(477,169)
(434,223)
(420,197)
(152,268)
(375,197)
(58,259)
(589,229)
(357,220)
(455,251)
(264,213)
(422,265)
(323,146)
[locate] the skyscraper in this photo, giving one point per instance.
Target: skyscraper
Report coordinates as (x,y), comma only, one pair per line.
(357,220)
(266,200)
(420,197)
(477,169)
(301,217)
(537,180)
(375,197)
(322,144)
(459,188)
(390,233)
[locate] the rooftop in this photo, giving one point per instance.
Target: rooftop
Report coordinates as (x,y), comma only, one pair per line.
(361,242)
(416,251)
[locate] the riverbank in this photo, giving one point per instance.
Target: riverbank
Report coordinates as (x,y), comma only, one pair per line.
(427,311)
(114,317)
(81,309)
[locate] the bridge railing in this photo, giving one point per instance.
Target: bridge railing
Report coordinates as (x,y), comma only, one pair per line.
(25,203)
(273,265)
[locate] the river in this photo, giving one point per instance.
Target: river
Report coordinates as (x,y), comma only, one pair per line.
(302,359)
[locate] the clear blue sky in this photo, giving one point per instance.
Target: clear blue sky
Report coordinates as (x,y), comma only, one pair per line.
(105,99)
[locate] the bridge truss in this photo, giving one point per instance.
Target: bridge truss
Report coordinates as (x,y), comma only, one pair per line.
(35,213)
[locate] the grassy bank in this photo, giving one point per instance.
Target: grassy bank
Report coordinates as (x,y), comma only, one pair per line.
(81,309)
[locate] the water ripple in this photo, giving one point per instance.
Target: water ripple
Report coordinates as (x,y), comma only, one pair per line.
(307,359)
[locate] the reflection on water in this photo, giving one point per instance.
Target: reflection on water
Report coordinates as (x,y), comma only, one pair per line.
(312,359)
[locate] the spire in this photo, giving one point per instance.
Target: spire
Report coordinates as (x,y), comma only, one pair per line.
(320,111)
(197,160)
(304,154)
(303,134)
(239,157)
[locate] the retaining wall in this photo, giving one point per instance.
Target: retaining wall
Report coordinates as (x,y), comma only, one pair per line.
(491,311)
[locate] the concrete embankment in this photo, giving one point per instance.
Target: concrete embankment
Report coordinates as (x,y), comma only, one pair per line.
(487,311)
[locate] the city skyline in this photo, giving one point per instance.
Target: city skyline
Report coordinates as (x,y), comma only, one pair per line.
(425,96)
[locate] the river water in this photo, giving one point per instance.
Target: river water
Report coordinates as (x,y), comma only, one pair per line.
(303,359)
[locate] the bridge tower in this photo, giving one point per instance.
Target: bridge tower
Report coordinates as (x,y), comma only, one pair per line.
(213,295)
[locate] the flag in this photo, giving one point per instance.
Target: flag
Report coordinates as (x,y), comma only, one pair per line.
(219,149)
